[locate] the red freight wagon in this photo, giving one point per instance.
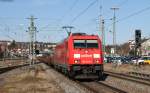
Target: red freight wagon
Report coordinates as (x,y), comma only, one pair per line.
(79,56)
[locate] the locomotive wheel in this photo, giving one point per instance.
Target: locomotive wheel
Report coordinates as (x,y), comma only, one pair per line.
(100,76)
(71,74)
(65,72)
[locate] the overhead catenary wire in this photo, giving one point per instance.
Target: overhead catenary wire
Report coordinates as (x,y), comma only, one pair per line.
(82,12)
(122,3)
(50,25)
(131,15)
(70,9)
(134,14)
(117,5)
(73,5)
(101,12)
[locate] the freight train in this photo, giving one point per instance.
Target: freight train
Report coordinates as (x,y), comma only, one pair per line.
(79,56)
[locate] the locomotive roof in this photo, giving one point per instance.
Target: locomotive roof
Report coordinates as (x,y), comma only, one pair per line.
(83,35)
(79,36)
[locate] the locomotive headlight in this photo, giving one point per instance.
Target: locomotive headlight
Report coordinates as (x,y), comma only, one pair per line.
(76,55)
(96,55)
(77,61)
(96,61)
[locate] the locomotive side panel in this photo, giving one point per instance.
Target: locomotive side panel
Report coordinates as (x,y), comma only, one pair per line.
(60,58)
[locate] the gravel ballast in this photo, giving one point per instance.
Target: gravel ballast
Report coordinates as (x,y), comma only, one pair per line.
(42,79)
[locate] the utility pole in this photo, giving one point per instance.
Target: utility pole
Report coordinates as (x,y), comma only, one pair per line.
(114,29)
(68,29)
(21,40)
(102,29)
(102,33)
(32,35)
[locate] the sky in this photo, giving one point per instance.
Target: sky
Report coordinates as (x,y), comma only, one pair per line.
(83,15)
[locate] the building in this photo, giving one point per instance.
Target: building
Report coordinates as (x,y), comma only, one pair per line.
(19,48)
(131,44)
(145,47)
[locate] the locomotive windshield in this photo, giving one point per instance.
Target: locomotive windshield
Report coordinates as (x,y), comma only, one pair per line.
(85,44)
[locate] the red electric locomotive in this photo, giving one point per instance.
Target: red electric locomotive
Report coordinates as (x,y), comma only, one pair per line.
(79,56)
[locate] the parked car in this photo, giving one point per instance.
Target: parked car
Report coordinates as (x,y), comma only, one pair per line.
(108,59)
(146,59)
(138,60)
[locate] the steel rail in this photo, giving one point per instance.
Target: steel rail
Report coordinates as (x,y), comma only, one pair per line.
(111,87)
(100,84)
(129,78)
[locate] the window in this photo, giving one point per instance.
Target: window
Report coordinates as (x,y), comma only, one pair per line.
(85,44)
(92,43)
(79,44)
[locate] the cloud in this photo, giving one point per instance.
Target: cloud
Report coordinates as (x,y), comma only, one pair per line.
(6,0)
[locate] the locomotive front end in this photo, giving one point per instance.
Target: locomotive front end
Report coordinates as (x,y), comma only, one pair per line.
(87,58)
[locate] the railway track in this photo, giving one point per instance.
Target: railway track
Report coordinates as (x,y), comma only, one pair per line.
(139,80)
(95,86)
(12,62)
(137,74)
(8,68)
(3,70)
(100,87)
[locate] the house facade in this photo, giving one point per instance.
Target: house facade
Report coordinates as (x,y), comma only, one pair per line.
(145,48)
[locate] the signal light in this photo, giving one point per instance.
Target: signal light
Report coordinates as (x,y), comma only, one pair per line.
(37,52)
(138,38)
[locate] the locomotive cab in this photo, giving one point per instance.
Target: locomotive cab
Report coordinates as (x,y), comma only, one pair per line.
(87,59)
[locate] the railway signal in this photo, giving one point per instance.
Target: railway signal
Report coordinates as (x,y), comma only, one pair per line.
(138,38)
(137,41)
(37,52)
